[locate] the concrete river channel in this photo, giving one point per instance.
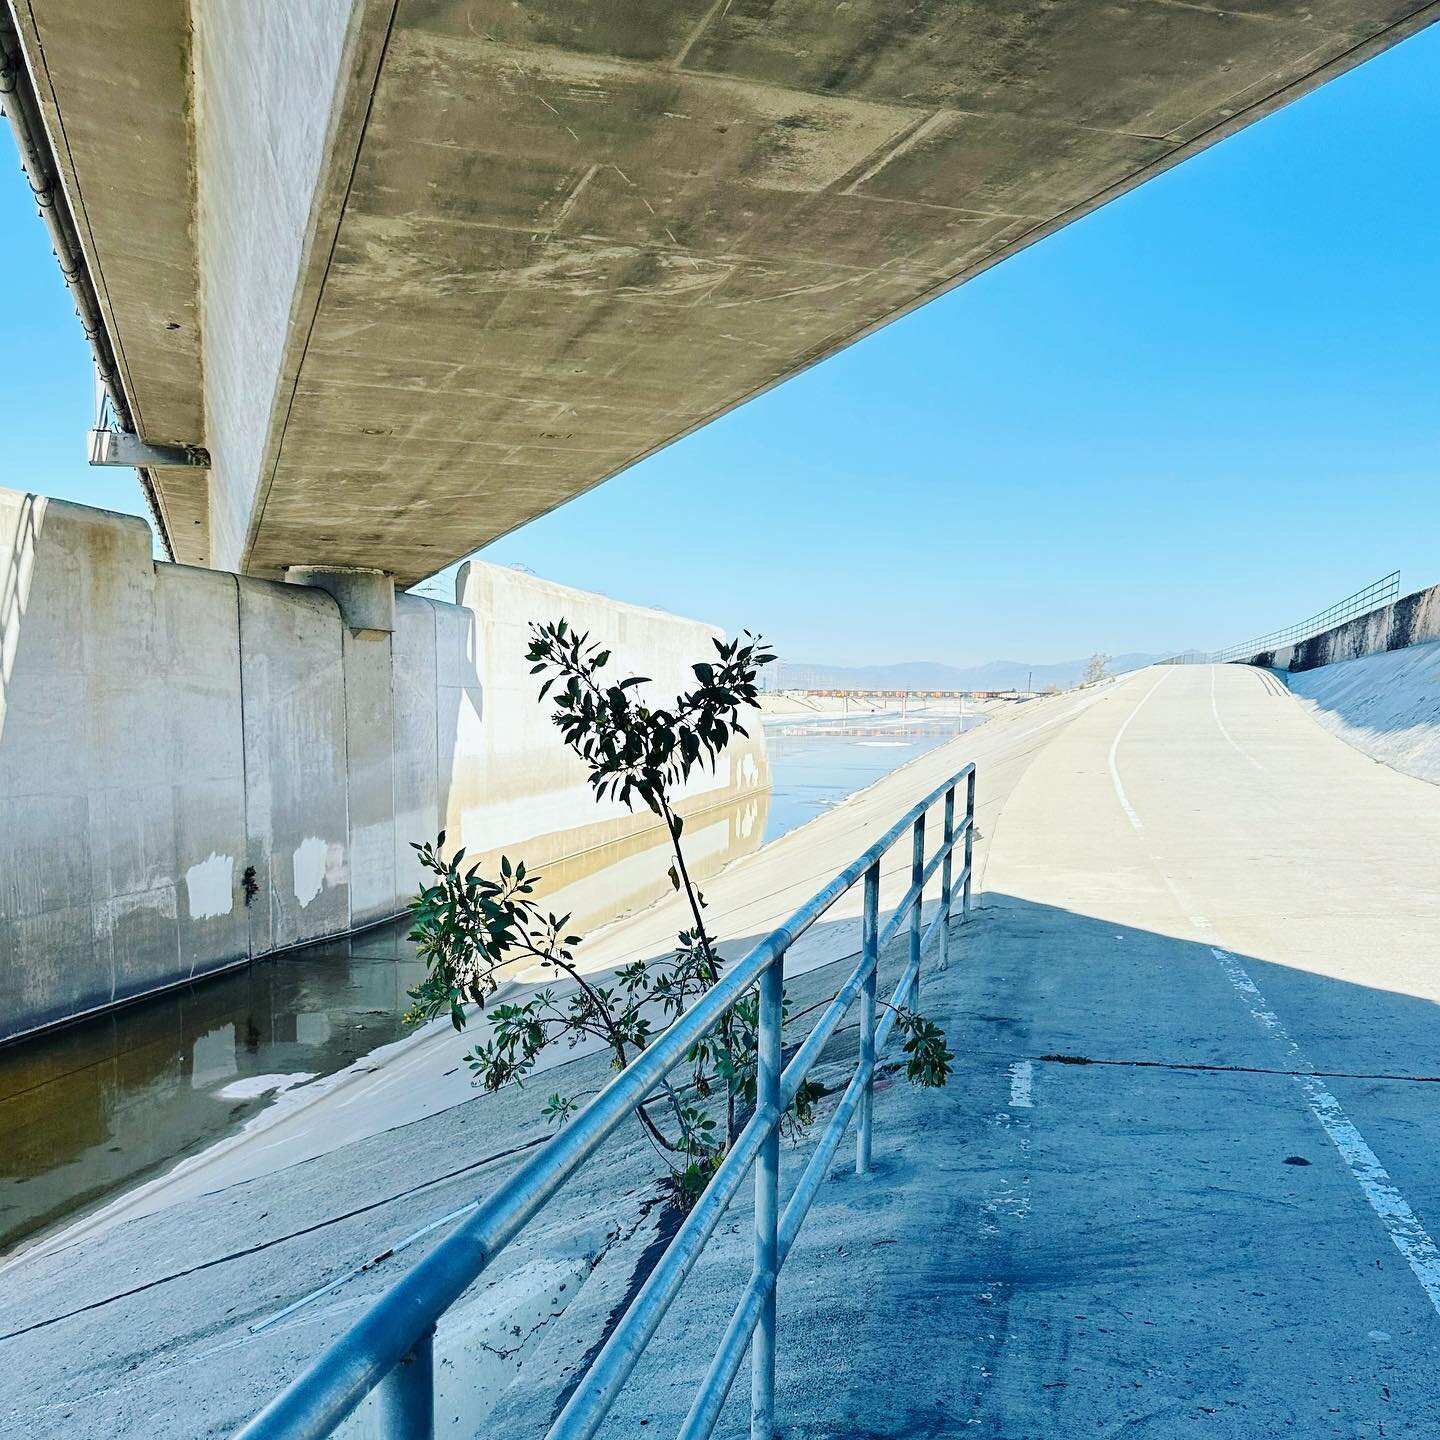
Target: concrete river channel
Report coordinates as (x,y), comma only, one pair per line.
(95,1107)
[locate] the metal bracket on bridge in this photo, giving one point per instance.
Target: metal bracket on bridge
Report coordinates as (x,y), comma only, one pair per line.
(122,447)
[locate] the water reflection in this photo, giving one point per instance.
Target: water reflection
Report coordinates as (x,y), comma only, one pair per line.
(90,1110)
(94,1108)
(817,762)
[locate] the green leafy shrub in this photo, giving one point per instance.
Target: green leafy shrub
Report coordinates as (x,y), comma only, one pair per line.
(470,928)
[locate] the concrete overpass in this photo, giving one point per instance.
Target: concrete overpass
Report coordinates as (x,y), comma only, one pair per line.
(408,273)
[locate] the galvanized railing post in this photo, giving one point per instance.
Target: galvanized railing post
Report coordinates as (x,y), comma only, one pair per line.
(969,839)
(405,1398)
(869,942)
(917,883)
(767,1201)
(945,878)
(388,1352)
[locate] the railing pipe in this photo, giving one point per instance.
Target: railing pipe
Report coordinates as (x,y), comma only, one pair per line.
(397,1330)
(870,956)
(969,839)
(917,884)
(902,910)
(945,875)
(587,1407)
(355,1363)
(710,1399)
(767,1205)
(1379,592)
(405,1398)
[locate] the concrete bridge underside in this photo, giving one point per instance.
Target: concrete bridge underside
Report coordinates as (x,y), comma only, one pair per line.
(416,271)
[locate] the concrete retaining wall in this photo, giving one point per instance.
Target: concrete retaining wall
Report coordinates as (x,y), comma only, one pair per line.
(167,732)
(1410,621)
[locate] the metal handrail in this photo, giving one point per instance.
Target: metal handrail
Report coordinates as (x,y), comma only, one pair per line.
(390,1350)
(1371,597)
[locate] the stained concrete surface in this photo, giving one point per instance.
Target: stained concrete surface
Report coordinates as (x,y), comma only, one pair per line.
(90,1110)
(1164,1241)
(165,729)
(113,85)
(574,236)
(1414,619)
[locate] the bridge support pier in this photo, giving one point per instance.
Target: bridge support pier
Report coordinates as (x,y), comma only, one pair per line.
(366,597)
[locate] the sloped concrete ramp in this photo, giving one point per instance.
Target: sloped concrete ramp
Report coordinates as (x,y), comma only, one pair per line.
(1183,1182)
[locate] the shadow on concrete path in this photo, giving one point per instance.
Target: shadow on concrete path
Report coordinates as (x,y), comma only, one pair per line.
(1165,1240)
(1162,1241)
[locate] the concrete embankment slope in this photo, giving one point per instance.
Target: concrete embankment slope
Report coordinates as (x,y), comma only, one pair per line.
(1183,1181)
(138,1322)
(422,1076)
(1374,681)
(1386,705)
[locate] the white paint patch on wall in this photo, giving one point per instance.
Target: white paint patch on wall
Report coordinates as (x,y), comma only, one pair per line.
(1022,1081)
(308,864)
(210,887)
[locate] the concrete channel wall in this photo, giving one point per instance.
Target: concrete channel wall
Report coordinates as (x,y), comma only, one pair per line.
(198,768)
(1412,620)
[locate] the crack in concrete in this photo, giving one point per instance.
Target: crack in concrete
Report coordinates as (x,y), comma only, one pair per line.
(523,1338)
(1058,1059)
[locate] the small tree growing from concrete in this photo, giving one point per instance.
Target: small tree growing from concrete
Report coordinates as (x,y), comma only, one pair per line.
(469,927)
(1096,668)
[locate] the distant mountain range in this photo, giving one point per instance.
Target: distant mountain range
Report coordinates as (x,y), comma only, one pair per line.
(931,675)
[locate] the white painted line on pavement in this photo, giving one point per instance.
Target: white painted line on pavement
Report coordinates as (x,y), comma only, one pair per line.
(1406,1232)
(1125,804)
(1229,738)
(1022,1080)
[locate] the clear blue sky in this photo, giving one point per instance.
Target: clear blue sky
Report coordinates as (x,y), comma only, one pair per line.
(1205,411)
